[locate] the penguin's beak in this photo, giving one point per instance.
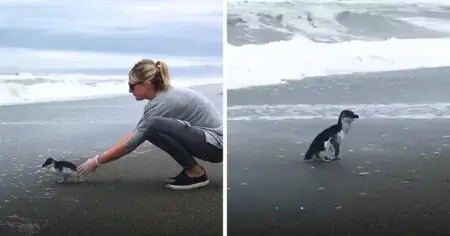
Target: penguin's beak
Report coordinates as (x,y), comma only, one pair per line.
(355,116)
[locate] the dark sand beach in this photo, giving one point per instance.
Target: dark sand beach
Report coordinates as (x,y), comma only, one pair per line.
(126,197)
(393,177)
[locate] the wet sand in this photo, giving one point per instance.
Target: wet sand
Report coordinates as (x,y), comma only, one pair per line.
(393,179)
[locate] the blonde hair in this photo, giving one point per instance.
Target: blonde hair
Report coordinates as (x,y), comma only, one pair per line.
(156,73)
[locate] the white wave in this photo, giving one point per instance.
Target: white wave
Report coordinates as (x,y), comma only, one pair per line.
(328,111)
(350,2)
(252,65)
(68,87)
(293,16)
(15,93)
(429,23)
(66,122)
(27,59)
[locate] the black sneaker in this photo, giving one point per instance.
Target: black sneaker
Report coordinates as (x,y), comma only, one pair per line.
(174,178)
(184,182)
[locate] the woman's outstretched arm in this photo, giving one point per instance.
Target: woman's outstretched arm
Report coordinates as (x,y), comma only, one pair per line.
(126,145)
(115,152)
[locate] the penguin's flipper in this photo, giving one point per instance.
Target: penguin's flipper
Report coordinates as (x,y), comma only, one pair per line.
(330,150)
(335,143)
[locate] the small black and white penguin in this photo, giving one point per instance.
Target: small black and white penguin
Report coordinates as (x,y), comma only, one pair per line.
(65,169)
(326,145)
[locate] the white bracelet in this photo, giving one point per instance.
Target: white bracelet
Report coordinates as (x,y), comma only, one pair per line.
(96,159)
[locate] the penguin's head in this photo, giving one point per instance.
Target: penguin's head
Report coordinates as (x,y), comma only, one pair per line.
(346,118)
(50,161)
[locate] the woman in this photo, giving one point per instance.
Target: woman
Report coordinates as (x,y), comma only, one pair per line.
(179,121)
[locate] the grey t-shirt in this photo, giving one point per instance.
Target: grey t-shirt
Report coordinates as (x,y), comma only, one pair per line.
(187,106)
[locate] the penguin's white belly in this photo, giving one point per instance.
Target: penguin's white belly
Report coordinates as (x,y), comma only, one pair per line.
(66,172)
(341,136)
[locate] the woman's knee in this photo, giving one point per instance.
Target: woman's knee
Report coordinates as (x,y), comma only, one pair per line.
(218,158)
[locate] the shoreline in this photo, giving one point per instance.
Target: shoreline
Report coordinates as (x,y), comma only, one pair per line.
(353,75)
(94,99)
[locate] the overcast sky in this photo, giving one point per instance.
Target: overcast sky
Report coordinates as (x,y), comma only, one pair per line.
(43,33)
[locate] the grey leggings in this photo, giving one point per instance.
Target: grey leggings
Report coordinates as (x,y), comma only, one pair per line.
(181,142)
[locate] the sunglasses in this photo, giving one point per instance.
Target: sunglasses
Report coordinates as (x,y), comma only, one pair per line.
(132,86)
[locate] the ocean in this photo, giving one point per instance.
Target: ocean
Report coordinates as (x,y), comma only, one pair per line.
(273,41)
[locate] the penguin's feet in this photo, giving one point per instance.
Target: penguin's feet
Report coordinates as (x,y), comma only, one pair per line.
(333,158)
(324,159)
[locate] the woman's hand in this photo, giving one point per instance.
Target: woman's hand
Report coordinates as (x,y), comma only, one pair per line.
(88,166)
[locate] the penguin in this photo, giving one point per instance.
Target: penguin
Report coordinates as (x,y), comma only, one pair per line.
(326,145)
(65,169)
